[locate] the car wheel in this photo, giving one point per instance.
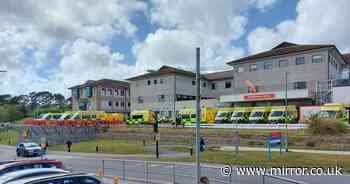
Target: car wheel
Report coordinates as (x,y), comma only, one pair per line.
(18,154)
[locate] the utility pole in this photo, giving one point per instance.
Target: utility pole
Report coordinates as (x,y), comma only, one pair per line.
(285,112)
(198,115)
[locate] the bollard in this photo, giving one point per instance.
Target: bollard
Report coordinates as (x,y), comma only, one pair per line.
(144,142)
(116,180)
(96,148)
(191,151)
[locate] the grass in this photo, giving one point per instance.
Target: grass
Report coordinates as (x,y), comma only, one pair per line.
(9,137)
(260,159)
(105,146)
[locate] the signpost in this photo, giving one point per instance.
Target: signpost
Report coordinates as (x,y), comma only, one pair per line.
(274,140)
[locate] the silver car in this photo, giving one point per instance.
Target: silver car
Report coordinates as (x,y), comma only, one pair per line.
(67,178)
(27,173)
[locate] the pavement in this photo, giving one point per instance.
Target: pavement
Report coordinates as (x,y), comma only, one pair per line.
(137,171)
(242,148)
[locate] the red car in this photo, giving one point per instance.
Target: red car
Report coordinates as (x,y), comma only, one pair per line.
(29,164)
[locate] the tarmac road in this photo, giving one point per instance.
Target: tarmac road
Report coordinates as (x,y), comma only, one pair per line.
(161,173)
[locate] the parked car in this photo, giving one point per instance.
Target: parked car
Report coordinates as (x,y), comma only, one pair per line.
(67,178)
(28,149)
(27,173)
(30,164)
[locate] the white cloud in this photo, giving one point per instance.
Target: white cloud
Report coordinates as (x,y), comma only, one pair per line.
(263,5)
(185,25)
(38,27)
(83,60)
(316,22)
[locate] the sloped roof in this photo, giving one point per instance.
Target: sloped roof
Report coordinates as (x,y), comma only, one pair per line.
(219,75)
(282,49)
(104,82)
(164,70)
(347,57)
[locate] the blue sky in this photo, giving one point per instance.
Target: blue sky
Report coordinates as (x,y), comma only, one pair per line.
(52,46)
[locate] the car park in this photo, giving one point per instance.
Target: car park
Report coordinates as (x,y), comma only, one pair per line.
(27,173)
(29,164)
(67,178)
(28,149)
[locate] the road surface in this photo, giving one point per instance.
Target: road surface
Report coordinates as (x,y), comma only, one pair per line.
(161,173)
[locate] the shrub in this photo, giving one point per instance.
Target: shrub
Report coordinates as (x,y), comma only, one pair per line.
(325,126)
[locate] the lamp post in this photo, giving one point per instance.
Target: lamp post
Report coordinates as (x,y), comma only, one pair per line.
(285,113)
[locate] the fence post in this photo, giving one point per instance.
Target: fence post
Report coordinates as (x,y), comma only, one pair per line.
(103,168)
(123,170)
(230,178)
(174,172)
(263,179)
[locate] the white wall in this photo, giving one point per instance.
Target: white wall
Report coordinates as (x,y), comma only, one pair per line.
(341,94)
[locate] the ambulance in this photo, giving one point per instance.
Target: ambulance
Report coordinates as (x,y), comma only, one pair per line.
(141,117)
(335,111)
(283,114)
(241,114)
(188,115)
(224,115)
(259,115)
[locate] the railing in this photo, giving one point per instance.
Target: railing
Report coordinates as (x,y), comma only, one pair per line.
(269,179)
(152,172)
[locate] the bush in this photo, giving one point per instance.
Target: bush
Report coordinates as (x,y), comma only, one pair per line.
(325,126)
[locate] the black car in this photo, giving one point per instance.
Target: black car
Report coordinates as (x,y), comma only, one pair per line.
(28,149)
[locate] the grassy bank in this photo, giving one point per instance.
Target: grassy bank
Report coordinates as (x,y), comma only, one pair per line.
(105,146)
(9,137)
(260,159)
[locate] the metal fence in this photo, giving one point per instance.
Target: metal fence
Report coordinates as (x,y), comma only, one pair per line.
(152,172)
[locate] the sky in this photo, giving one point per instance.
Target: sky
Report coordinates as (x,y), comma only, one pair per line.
(52,45)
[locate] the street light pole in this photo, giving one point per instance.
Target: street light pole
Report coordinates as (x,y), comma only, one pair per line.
(285,112)
(198,116)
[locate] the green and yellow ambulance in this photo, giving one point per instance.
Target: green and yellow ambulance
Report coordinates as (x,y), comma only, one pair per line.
(141,117)
(224,115)
(241,114)
(188,115)
(283,114)
(335,111)
(259,115)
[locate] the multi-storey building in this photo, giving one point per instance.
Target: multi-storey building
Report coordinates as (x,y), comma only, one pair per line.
(102,95)
(163,90)
(304,70)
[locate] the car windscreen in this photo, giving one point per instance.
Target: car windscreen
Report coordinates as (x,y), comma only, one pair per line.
(30,145)
(221,114)
(257,114)
(185,116)
(276,113)
(137,116)
(328,113)
(237,114)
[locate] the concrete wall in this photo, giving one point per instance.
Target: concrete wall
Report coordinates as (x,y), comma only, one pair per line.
(341,95)
(274,78)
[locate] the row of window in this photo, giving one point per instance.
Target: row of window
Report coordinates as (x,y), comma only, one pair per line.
(268,65)
(213,85)
(113,92)
(155,82)
(117,104)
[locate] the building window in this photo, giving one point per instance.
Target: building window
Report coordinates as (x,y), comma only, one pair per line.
(140,99)
(193,83)
(213,86)
(117,104)
(110,103)
(148,82)
(122,104)
(204,84)
(300,60)
(228,84)
(116,92)
(253,68)
(170,113)
(268,65)
(161,81)
(103,91)
(283,63)
(88,91)
(317,59)
(122,92)
(300,85)
(128,104)
(110,92)
(240,69)
(155,81)
(161,98)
